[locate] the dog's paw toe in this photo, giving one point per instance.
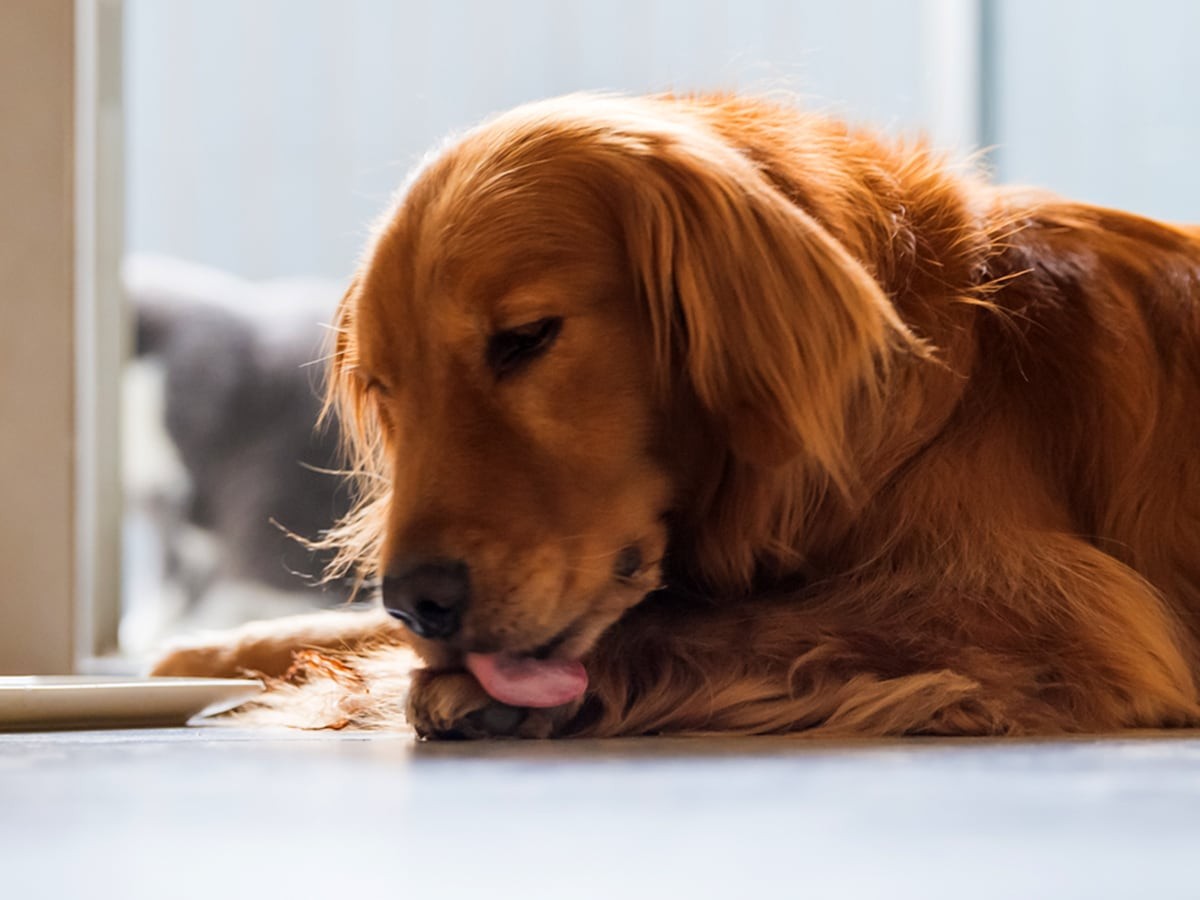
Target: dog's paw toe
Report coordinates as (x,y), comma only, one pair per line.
(452,706)
(496,720)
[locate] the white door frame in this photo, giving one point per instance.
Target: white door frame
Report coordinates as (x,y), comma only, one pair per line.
(37,275)
(60,342)
(102,327)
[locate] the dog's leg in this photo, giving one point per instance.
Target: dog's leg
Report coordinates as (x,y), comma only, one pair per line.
(1063,638)
(764,668)
(267,647)
(754,669)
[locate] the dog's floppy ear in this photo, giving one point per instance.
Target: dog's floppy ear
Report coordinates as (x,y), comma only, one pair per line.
(343,390)
(768,316)
(355,539)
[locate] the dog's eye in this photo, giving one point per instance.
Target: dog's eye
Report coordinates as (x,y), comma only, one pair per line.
(509,350)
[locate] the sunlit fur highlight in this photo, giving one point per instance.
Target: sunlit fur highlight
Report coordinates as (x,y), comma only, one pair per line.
(949,481)
(355,540)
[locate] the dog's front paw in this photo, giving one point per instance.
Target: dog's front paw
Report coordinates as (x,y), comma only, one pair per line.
(199,661)
(452,706)
(225,656)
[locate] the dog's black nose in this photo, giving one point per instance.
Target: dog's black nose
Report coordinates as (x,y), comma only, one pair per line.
(429,596)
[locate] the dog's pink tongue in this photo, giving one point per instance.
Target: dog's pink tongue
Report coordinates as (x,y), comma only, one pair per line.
(525,681)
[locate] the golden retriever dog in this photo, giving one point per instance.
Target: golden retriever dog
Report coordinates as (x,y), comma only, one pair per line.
(707,415)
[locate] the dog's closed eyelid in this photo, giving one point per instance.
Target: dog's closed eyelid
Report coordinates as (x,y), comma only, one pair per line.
(510,349)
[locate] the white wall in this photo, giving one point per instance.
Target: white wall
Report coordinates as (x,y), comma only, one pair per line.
(1101,101)
(263,135)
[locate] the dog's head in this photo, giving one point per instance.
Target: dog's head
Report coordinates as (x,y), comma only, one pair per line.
(572,315)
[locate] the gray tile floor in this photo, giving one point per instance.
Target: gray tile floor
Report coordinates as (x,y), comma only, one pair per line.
(217,812)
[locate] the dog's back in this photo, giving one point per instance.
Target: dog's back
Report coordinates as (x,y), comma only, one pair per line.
(1069,336)
(1097,344)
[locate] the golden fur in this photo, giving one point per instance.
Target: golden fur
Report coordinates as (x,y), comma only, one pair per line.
(907,454)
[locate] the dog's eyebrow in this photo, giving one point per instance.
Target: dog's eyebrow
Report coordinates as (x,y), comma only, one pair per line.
(572,287)
(528,299)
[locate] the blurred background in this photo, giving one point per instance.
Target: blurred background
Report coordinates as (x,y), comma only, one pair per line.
(260,138)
